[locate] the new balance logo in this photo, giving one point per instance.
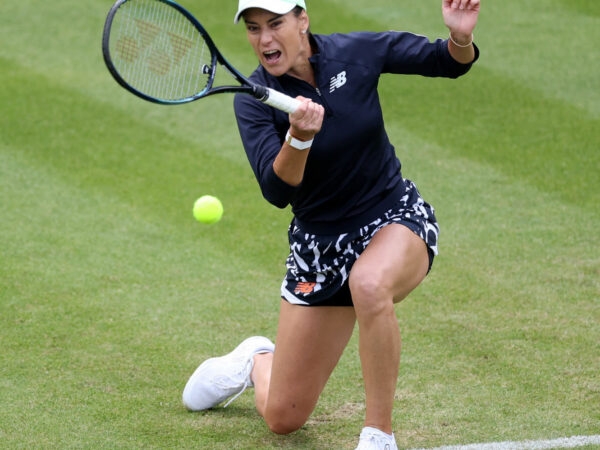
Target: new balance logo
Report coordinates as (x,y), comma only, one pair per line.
(304,287)
(337,81)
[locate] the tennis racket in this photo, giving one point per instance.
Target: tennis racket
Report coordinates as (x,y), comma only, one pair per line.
(158,51)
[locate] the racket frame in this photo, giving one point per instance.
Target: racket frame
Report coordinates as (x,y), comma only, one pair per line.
(261,93)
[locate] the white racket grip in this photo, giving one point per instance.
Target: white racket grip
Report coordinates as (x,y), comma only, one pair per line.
(281,101)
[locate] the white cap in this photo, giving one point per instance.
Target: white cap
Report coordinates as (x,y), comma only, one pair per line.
(275,6)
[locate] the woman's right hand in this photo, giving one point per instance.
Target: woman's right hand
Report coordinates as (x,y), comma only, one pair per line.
(307,120)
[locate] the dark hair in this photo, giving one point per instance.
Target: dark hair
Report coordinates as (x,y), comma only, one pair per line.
(297,11)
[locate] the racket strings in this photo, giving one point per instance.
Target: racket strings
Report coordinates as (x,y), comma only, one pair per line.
(158,51)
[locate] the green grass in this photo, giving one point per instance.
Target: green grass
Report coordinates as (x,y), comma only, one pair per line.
(111,294)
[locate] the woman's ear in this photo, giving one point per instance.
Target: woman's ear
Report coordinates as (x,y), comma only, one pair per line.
(304,22)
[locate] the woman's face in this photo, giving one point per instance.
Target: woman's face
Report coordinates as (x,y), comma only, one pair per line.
(279,41)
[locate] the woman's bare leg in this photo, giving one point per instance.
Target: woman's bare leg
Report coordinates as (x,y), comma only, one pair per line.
(309,344)
(393,264)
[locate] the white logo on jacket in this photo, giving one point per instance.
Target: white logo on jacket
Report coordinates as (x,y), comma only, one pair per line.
(337,81)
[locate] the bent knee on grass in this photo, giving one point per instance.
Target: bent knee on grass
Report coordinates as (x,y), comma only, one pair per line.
(286,420)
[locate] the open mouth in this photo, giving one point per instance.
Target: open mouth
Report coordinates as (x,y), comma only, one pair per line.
(272,56)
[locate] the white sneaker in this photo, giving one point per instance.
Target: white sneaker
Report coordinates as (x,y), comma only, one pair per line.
(217,379)
(374,439)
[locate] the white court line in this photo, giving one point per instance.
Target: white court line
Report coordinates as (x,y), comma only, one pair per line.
(571,442)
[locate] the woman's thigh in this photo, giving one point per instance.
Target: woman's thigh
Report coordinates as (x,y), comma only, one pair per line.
(392,265)
(309,344)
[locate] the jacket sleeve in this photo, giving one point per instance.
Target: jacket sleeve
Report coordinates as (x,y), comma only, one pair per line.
(412,54)
(262,140)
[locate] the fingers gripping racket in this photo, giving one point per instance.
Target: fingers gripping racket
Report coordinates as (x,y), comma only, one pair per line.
(157,50)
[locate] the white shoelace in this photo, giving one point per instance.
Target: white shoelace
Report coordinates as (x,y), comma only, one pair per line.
(247,383)
(244,387)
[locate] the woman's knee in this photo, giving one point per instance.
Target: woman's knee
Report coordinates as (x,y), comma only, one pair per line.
(284,421)
(370,293)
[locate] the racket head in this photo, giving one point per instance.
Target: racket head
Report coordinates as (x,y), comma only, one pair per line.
(158,51)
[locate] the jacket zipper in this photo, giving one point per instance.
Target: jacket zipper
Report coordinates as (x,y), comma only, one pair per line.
(324,102)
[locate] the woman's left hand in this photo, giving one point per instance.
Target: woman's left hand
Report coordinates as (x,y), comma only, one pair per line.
(460,16)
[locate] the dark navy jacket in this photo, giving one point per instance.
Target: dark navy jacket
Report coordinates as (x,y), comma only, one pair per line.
(352,174)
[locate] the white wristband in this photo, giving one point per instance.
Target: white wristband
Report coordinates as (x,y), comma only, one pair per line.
(296,143)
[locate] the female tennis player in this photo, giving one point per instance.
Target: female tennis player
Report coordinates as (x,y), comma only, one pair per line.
(362,237)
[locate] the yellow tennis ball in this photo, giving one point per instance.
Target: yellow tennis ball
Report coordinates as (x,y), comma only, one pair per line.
(208,209)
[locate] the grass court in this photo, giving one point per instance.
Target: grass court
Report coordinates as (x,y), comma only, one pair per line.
(111,293)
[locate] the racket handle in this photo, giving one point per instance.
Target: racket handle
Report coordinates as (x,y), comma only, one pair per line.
(278,100)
